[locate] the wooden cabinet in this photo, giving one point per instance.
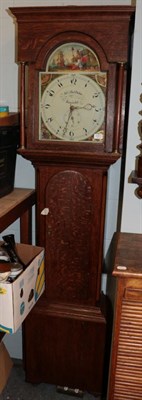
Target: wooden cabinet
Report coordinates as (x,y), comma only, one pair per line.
(77,61)
(125,380)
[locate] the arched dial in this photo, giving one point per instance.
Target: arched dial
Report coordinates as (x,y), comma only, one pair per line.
(73,107)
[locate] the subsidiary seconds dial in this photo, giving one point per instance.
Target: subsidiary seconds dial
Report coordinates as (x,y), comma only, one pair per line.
(73,107)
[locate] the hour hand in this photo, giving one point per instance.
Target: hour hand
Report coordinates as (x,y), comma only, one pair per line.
(85,107)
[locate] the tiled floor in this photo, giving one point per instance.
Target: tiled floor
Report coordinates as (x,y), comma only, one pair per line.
(18,389)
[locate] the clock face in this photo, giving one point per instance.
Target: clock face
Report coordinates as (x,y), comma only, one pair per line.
(73,107)
(72,104)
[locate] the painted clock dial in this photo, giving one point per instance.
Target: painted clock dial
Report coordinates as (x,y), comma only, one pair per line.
(72,96)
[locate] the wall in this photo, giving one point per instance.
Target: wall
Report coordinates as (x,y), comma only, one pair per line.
(132,206)
(24,176)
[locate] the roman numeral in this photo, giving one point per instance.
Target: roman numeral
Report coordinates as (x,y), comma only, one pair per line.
(51,92)
(73,81)
(60,84)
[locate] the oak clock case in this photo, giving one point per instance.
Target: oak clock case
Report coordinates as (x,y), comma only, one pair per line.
(77,61)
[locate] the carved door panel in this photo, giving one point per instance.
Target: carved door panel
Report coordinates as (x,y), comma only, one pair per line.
(71,232)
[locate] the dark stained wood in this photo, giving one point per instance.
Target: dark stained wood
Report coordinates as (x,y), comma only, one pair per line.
(62,333)
(71,233)
(137,178)
(74,198)
(44,28)
(118,107)
(18,204)
(1,336)
(62,19)
(65,333)
(84,158)
(128,255)
(22,106)
(125,379)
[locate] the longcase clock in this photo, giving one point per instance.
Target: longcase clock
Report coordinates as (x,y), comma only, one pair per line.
(74,79)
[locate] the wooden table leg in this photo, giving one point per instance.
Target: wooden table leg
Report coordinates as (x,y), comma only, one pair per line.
(1,335)
(26,227)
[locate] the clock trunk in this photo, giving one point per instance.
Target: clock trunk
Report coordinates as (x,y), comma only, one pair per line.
(69,321)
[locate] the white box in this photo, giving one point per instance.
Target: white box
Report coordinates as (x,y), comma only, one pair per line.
(18,298)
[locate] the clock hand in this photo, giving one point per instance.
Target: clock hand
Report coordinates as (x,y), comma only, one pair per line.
(67,122)
(86,107)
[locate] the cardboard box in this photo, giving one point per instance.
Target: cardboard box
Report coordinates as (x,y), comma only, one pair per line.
(5,366)
(18,298)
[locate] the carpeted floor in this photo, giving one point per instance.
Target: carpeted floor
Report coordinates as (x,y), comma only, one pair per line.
(18,389)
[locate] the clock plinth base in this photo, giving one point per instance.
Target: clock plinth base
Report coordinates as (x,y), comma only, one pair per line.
(70,343)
